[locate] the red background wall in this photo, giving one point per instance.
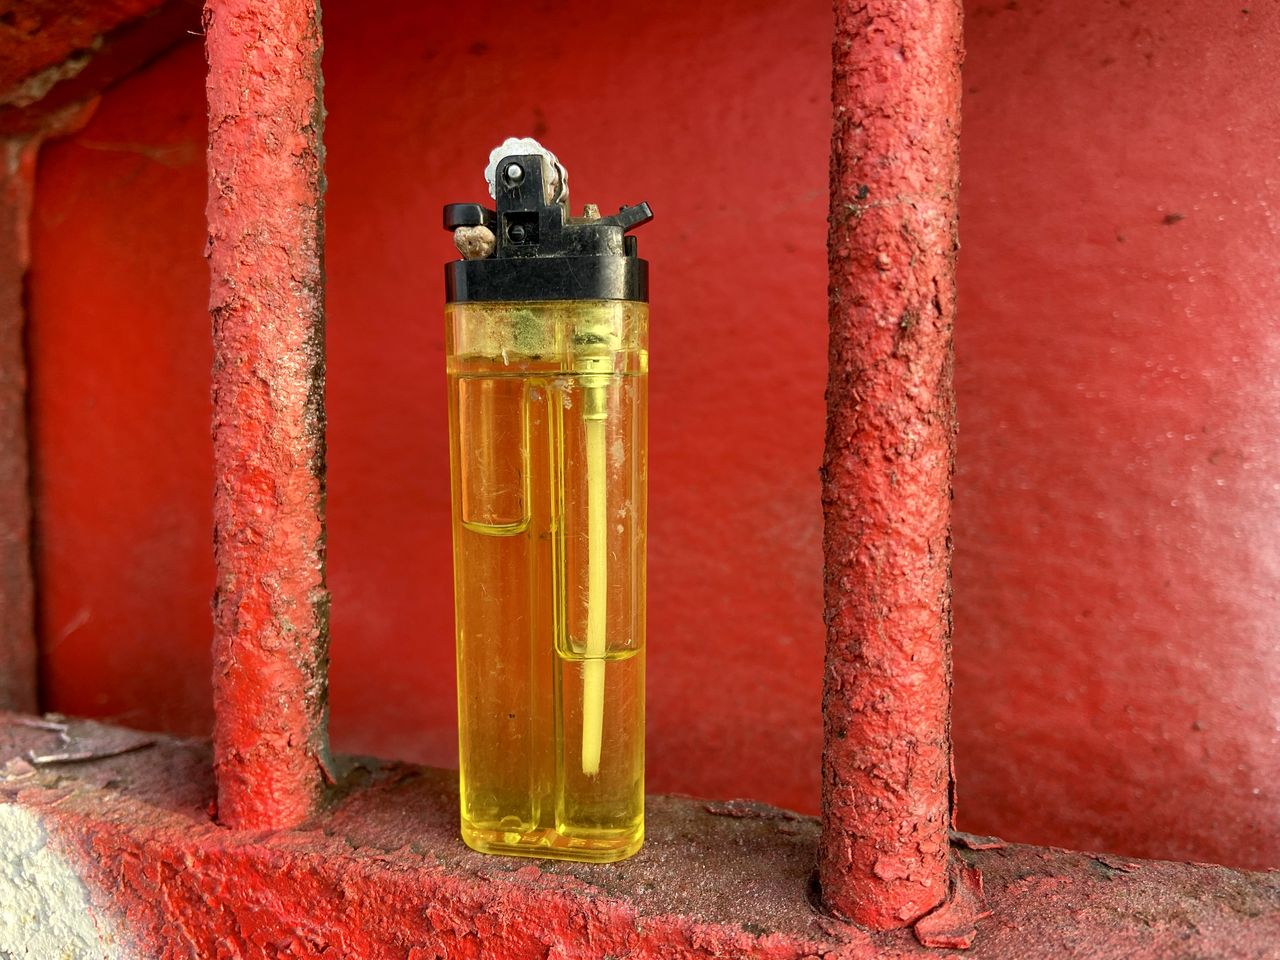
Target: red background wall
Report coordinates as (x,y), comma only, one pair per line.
(1118,493)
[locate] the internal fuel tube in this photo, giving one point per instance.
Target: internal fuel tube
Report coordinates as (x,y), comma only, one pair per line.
(595,391)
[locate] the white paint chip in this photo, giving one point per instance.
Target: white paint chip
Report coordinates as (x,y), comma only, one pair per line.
(44,905)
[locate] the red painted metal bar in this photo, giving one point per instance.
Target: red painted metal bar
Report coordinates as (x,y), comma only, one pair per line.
(17,599)
(887,466)
(267,301)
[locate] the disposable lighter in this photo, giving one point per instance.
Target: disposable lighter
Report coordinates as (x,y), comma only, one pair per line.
(547,350)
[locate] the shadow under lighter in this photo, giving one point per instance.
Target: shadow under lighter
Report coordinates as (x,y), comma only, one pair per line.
(547,350)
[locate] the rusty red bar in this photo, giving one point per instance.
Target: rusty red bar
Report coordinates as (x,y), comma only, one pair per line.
(17,594)
(267,301)
(887,465)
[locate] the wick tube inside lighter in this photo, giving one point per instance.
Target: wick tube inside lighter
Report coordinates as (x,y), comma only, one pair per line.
(597,579)
(547,351)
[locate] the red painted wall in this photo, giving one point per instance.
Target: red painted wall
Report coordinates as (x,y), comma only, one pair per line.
(1118,366)
(1118,489)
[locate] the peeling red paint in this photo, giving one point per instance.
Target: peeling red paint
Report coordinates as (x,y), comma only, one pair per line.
(57,55)
(382,873)
(888,460)
(954,924)
(267,302)
(39,35)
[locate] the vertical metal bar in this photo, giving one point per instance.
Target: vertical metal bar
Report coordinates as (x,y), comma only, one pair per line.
(266,179)
(17,592)
(887,466)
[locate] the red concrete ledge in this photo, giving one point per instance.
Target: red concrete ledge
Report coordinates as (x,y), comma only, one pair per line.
(121,857)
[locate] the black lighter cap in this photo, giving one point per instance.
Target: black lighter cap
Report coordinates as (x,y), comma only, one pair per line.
(540,254)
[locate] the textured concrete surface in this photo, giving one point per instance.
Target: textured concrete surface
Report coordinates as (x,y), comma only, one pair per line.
(266,248)
(380,872)
(888,461)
